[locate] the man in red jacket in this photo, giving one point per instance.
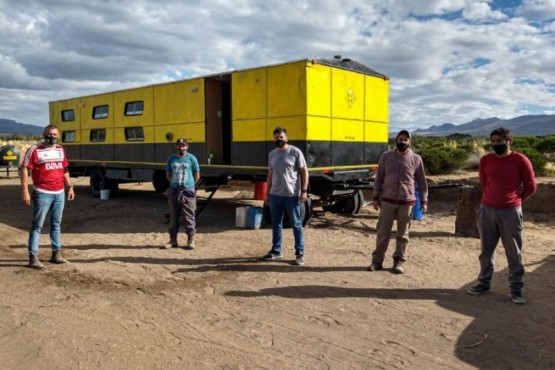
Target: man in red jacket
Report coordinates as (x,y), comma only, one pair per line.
(507,178)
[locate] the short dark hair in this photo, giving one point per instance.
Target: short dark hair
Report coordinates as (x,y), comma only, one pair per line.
(403,132)
(504,132)
(49,127)
(279,130)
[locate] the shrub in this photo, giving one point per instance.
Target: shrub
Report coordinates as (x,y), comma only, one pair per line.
(524,142)
(473,162)
(538,160)
(547,147)
(443,160)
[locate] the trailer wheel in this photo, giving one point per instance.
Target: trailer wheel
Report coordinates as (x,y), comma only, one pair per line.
(97,182)
(350,205)
(113,186)
(354,204)
(306,214)
(160,183)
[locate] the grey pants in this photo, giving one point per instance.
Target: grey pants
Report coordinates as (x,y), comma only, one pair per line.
(388,213)
(182,202)
(505,224)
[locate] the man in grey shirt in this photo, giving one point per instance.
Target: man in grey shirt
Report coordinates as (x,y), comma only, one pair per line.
(288,184)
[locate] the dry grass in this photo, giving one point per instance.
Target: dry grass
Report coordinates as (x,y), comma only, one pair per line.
(21,145)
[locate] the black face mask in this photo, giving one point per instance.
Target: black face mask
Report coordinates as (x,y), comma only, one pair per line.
(402,147)
(50,140)
(280,143)
(500,148)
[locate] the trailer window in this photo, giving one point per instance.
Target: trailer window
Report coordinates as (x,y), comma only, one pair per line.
(134,134)
(68,115)
(68,136)
(100,111)
(97,135)
(134,108)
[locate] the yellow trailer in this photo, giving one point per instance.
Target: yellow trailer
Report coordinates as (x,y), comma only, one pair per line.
(334,110)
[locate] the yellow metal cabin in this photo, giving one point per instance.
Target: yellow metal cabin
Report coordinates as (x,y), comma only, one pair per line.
(334,110)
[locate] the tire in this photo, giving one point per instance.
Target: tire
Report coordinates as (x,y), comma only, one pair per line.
(113,186)
(337,206)
(160,184)
(354,203)
(349,205)
(97,182)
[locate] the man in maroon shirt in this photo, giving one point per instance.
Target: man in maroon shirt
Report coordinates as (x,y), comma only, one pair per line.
(506,178)
(394,197)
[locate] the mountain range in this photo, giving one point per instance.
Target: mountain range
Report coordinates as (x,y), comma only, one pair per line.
(538,125)
(11,127)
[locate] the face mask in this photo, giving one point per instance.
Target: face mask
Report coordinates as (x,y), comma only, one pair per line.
(51,140)
(280,143)
(402,147)
(182,151)
(500,148)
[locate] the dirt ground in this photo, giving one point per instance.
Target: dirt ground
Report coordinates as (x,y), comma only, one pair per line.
(122,302)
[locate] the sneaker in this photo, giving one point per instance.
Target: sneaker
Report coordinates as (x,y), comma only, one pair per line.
(517,297)
(375,267)
(272,256)
(478,289)
(398,267)
(299,260)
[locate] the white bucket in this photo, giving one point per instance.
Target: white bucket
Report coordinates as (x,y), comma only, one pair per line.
(241,217)
(104,194)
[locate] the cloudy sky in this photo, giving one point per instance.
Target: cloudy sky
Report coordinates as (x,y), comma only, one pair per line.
(448,60)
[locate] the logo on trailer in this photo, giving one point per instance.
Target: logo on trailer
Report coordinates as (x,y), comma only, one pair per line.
(350,98)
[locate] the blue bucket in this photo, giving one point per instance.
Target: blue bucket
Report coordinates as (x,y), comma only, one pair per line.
(417,213)
(254,217)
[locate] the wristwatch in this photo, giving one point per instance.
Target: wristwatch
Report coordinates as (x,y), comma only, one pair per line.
(304,191)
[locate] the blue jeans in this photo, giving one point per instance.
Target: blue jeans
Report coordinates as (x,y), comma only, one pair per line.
(278,206)
(42,204)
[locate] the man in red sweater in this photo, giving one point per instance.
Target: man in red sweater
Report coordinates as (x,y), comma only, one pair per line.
(506,178)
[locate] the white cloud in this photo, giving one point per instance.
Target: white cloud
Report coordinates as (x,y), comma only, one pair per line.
(537,9)
(477,10)
(448,60)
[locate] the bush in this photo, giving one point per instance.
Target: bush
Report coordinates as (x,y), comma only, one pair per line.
(547,147)
(538,160)
(443,160)
(520,142)
(444,155)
